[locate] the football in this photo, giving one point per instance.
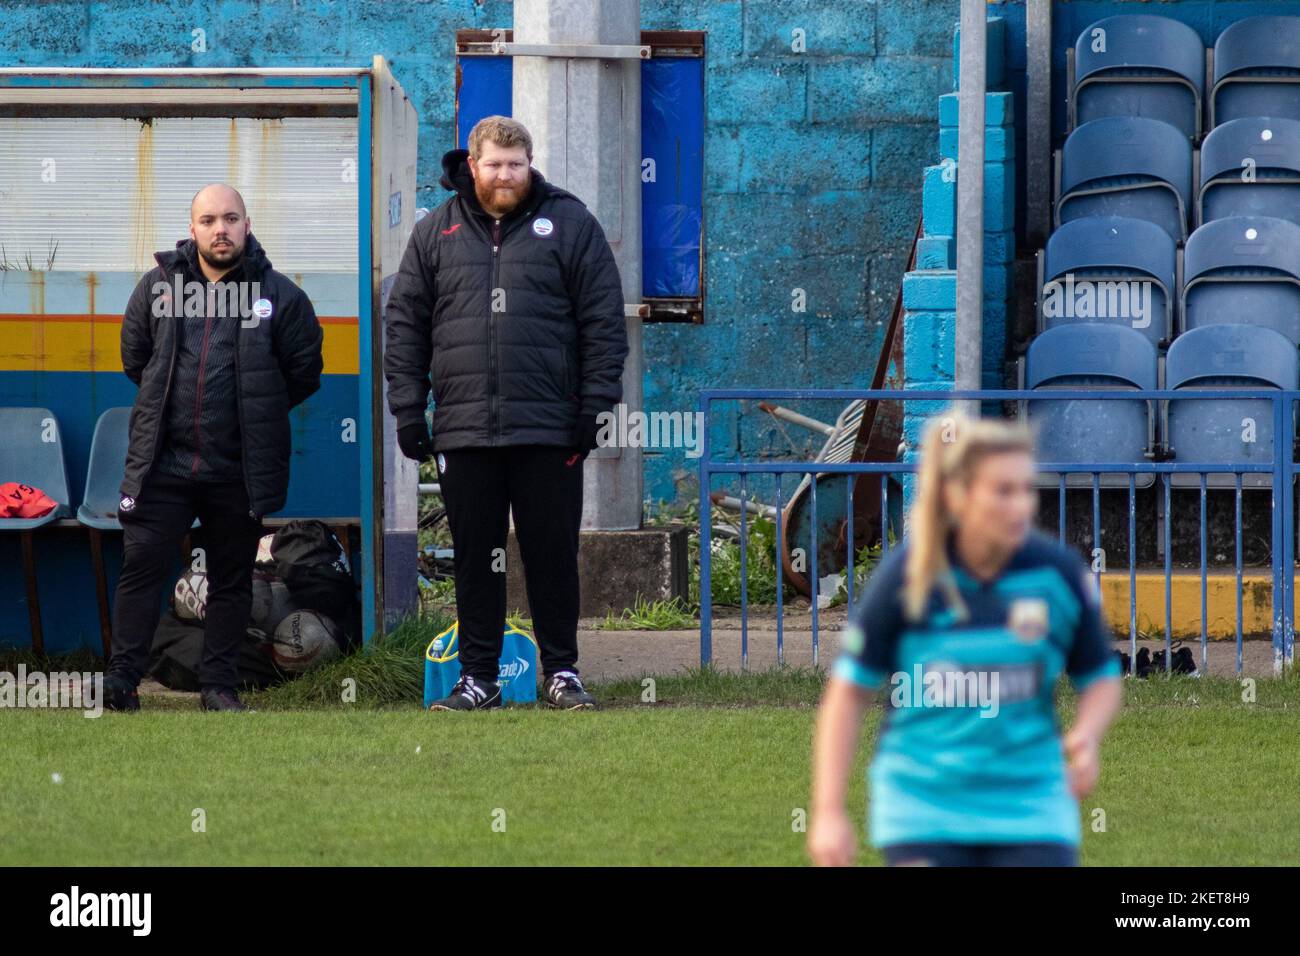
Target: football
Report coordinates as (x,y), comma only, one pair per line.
(272,603)
(304,640)
(190,596)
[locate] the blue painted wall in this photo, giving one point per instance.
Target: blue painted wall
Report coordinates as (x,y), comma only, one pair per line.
(812,158)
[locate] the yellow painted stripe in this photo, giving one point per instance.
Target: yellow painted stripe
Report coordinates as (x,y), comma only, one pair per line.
(1185,593)
(92,343)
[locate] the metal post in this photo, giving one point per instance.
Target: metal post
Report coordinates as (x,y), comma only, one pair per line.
(706,541)
(1286,448)
(1038,121)
(584,114)
(369,404)
(1283,529)
(968,354)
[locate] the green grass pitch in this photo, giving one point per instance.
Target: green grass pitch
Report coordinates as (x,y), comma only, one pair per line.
(715,772)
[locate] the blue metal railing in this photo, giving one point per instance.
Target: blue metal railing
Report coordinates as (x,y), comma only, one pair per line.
(1281,470)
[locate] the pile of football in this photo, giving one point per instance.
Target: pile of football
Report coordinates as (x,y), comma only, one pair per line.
(296,639)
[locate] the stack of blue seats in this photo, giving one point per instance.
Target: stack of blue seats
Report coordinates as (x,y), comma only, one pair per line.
(1174,260)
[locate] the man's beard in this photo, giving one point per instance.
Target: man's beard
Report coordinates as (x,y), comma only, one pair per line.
(494,201)
(232,255)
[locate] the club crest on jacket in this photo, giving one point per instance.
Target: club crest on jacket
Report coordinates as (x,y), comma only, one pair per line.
(1028,619)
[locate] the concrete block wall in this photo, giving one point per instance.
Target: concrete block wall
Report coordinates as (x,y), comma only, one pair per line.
(930,292)
(812,160)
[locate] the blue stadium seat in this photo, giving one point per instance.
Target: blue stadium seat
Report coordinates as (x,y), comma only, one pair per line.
(1127,166)
(1250,167)
(98,509)
(1257,70)
(1244,270)
(31,453)
(1082,431)
(1139,65)
(1110,269)
(1226,431)
(104,475)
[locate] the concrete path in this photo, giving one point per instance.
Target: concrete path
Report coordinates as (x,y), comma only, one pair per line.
(611,655)
(605,655)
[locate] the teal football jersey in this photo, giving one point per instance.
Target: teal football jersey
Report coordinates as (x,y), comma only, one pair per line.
(970,747)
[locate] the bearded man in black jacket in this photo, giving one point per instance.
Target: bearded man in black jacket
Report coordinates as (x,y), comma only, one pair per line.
(508,295)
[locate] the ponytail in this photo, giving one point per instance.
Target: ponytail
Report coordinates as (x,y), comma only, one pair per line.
(952,446)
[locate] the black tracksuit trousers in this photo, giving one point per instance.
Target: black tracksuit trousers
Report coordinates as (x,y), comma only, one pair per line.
(152,531)
(543,486)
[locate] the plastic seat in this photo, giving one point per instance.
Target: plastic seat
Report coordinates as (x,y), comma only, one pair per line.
(31,452)
(28,457)
(1086,431)
(1250,167)
(1256,70)
(1110,269)
(1224,430)
(1139,65)
(98,509)
(106,470)
(1127,166)
(1243,271)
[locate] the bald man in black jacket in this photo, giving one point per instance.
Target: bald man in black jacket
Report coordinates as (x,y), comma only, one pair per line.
(222,347)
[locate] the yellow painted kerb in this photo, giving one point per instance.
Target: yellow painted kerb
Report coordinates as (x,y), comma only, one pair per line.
(1185,601)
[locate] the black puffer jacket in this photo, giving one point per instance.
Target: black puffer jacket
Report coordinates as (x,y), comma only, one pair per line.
(552,348)
(278,364)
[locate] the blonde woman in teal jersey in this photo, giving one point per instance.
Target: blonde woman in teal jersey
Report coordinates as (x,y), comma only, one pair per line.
(966,627)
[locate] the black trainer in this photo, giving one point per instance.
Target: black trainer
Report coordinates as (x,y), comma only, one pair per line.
(564,689)
(120,694)
(470,694)
(221,698)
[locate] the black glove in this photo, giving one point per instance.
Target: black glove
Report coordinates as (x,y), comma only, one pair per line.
(415,441)
(584,434)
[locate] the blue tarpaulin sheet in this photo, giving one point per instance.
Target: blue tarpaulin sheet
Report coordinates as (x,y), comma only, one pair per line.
(672,134)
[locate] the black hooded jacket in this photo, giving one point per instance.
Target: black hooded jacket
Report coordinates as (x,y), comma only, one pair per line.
(218,409)
(201,439)
(521,333)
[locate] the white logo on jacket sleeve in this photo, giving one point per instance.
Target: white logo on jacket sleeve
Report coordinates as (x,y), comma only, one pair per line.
(543,226)
(126,504)
(262,308)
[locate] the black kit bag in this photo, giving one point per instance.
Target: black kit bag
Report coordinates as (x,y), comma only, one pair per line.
(312,563)
(178,650)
